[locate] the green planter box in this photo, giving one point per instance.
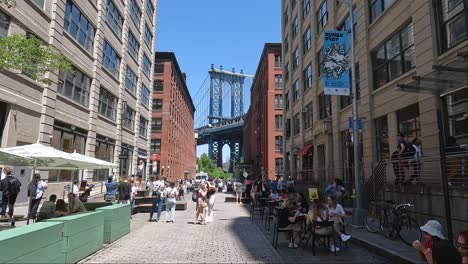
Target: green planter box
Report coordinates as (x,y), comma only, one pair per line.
(82,235)
(94,206)
(36,243)
(116,221)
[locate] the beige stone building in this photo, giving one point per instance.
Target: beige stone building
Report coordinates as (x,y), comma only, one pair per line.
(398,43)
(100,108)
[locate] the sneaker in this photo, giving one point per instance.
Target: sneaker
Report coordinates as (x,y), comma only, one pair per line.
(150,220)
(291,245)
(157,220)
(344,237)
(333,248)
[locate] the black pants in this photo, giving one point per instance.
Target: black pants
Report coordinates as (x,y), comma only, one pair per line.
(34,207)
(10,201)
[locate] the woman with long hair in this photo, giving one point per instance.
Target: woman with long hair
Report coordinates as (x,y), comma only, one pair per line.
(201,203)
(211,196)
(171,195)
(287,220)
(60,208)
(337,214)
(432,231)
(462,245)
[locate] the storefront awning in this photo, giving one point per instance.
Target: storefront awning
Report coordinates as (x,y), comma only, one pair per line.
(443,80)
(304,150)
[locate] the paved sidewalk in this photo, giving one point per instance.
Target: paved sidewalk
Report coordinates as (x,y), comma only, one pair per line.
(231,238)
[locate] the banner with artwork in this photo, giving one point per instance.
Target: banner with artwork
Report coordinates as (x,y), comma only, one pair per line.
(336,79)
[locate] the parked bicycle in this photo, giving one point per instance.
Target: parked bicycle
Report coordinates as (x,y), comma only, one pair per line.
(393,220)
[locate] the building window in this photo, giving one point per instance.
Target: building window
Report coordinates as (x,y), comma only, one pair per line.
(452,22)
(135,13)
(149,9)
(279,144)
(322,16)
(288,128)
(307,41)
(39,3)
(111,60)
(277,61)
(157,104)
(143,127)
(76,86)
(78,26)
(286,99)
(129,118)
(133,46)
(156,145)
(325,106)
(286,17)
(104,150)
(279,166)
(295,27)
(394,57)
(107,104)
(347,100)
(305,8)
(279,121)
(381,136)
(296,91)
(130,80)
(148,36)
(308,116)
(297,125)
(320,62)
(286,72)
(278,81)
(146,65)
(278,101)
(296,58)
(114,18)
(408,122)
(455,106)
(158,85)
(145,94)
(4,24)
(346,25)
(159,68)
(308,77)
(156,124)
(377,7)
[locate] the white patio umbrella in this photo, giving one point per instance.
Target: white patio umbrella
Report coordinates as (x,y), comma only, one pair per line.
(43,157)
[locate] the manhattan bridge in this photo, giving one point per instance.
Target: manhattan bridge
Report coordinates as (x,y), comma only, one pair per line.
(221,106)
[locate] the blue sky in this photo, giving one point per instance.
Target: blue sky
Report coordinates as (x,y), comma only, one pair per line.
(219,32)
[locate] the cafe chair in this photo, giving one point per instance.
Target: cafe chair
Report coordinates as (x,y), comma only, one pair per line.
(322,233)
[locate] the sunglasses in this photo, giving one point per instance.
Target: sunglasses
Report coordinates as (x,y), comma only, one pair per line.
(460,245)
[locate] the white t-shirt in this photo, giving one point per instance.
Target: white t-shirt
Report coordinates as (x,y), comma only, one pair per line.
(171,193)
(134,191)
(338,210)
(75,189)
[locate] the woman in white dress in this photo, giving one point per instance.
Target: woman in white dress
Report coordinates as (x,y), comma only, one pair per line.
(211,200)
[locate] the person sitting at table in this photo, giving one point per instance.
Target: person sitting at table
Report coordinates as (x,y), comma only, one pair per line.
(74,204)
(60,208)
(274,195)
(47,209)
(254,194)
(337,214)
(302,203)
(287,215)
(283,195)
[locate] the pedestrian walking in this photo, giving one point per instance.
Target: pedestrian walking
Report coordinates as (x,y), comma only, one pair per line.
(124,189)
(201,203)
(133,194)
(416,159)
(171,202)
(85,191)
(158,188)
(238,190)
(211,197)
(10,187)
(76,187)
(111,185)
(37,188)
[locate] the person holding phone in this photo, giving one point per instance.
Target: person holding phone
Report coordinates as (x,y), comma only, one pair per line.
(37,188)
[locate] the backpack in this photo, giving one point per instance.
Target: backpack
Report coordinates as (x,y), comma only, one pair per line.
(195,196)
(33,188)
(14,186)
(156,189)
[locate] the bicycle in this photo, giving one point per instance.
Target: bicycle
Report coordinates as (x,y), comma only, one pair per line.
(394,221)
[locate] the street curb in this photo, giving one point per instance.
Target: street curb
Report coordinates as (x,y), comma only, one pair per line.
(389,254)
(277,254)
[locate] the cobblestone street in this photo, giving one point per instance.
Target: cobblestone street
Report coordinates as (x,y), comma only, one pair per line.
(232,238)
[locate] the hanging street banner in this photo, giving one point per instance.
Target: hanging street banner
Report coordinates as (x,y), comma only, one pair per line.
(336,80)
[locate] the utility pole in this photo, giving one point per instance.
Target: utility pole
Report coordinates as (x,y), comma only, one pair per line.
(358,212)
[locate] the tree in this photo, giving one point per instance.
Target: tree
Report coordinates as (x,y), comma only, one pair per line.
(206,164)
(29,55)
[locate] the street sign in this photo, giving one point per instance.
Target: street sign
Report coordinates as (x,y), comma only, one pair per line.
(350,124)
(123,156)
(336,63)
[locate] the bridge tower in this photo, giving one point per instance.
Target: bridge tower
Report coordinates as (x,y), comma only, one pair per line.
(219,78)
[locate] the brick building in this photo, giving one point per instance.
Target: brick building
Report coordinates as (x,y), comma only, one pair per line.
(172,134)
(263,126)
(403,50)
(100,107)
